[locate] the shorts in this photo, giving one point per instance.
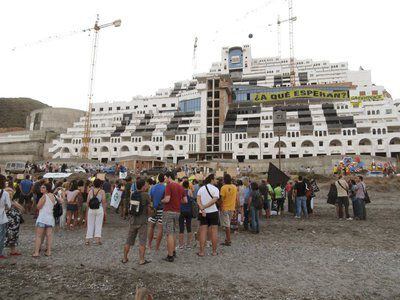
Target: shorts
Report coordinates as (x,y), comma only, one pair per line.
(267,204)
(25,199)
(72,207)
(134,231)
(280,202)
(170,221)
(157,218)
(42,225)
(342,201)
(226,217)
(185,218)
(211,219)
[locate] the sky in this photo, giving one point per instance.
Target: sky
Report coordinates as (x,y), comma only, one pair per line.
(153,48)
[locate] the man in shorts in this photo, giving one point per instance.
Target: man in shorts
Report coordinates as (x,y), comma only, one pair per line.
(229,203)
(138,225)
(174,196)
(25,198)
(157,193)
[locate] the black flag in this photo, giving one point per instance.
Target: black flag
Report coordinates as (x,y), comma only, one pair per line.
(276,176)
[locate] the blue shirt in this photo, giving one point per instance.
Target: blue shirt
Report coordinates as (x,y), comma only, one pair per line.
(26,186)
(247,193)
(196,189)
(157,193)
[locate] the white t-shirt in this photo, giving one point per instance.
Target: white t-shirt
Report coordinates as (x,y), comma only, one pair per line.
(4,203)
(205,197)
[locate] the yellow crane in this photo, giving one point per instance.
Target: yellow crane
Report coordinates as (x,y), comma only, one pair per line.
(87,128)
(96,28)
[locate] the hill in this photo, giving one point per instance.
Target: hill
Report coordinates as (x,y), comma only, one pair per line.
(13,111)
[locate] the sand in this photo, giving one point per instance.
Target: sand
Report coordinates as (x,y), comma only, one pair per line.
(319,258)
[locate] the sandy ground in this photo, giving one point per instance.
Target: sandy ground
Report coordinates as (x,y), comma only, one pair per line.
(319,258)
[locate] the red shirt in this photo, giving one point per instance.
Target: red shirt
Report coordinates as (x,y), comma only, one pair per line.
(176,192)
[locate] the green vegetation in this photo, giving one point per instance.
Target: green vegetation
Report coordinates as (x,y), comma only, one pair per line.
(13,111)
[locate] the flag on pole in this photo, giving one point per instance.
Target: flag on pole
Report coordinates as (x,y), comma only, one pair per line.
(276,176)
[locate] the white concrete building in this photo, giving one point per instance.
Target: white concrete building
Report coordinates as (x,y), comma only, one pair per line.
(244,109)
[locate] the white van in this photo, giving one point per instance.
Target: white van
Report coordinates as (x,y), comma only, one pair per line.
(15,167)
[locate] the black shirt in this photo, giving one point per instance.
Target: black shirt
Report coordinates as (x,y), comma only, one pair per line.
(106,187)
(300,188)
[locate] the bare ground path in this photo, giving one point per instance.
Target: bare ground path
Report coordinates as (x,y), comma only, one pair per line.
(308,259)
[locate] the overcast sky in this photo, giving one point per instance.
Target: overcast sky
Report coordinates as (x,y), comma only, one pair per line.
(154,46)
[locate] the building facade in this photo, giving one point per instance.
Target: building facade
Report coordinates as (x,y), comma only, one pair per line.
(243,109)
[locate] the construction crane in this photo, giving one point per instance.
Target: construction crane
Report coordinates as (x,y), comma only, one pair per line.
(194,59)
(290,20)
(88,116)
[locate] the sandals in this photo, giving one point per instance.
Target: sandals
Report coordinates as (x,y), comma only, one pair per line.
(15,254)
(145,262)
(124,261)
(87,243)
(200,255)
(35,256)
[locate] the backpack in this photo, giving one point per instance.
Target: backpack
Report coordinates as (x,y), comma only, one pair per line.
(57,208)
(332,194)
(136,204)
(94,202)
(256,200)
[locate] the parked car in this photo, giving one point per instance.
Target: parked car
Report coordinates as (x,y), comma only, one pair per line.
(75,170)
(15,167)
(375,174)
(153,171)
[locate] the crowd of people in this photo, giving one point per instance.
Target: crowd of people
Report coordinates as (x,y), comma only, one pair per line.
(164,206)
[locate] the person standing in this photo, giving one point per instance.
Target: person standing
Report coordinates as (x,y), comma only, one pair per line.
(97,204)
(229,203)
(360,189)
(207,197)
(138,212)
(185,217)
(5,204)
(25,187)
(126,196)
(14,221)
(278,193)
(300,190)
(246,208)
(174,196)
(157,193)
(352,195)
(342,198)
(72,204)
(289,194)
(107,190)
(255,204)
(45,220)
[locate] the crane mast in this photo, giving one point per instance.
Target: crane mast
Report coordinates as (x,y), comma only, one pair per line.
(291,43)
(88,117)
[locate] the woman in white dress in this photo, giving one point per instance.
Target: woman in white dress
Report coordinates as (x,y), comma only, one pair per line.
(45,221)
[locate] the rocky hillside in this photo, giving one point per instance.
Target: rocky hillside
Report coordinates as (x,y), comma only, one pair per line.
(13,111)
